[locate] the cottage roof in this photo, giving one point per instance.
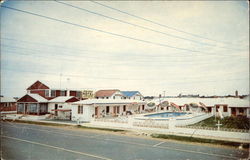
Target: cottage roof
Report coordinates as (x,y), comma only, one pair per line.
(130,93)
(37,97)
(231,102)
(105,93)
(38,85)
(108,101)
(7,99)
(61,99)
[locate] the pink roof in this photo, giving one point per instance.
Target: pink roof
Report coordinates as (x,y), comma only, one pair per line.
(105,93)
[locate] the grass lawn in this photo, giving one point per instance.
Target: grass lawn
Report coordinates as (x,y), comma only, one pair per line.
(227,122)
(200,140)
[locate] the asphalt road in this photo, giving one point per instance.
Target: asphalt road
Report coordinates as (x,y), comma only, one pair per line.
(34,142)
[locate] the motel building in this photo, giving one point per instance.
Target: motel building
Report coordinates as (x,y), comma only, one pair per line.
(7,104)
(217,106)
(132,95)
(86,110)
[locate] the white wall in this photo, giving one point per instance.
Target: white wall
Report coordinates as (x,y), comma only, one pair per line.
(137,97)
(86,116)
(115,96)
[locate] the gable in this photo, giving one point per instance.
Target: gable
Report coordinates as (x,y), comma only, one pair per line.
(27,98)
(38,85)
(117,93)
(73,99)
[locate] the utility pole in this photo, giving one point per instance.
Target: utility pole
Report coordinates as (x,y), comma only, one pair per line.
(60,81)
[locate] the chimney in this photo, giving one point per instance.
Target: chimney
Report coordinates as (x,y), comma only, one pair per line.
(236,94)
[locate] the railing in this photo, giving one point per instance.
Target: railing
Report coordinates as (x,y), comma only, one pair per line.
(216,129)
(115,120)
(150,125)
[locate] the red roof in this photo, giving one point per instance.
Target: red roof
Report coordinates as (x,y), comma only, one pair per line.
(105,93)
(38,85)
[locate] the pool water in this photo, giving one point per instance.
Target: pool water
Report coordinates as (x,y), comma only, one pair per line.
(166,114)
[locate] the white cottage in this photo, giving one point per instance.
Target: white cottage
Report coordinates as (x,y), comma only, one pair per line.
(97,108)
(61,106)
(109,94)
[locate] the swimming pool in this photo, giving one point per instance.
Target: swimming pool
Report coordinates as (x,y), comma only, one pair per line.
(166,114)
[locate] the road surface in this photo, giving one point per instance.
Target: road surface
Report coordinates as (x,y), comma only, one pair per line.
(34,142)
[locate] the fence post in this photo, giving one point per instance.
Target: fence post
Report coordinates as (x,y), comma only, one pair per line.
(130,121)
(171,124)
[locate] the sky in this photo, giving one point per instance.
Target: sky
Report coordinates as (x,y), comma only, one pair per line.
(155,47)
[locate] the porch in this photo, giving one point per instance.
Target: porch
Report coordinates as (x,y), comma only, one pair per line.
(32,108)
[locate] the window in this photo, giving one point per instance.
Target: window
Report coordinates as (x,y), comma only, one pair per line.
(78,94)
(107,97)
(241,110)
(124,108)
(46,93)
(80,109)
(53,93)
(63,93)
(32,108)
(224,108)
(20,107)
(143,107)
(113,97)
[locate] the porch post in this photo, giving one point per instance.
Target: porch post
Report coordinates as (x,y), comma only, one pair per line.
(25,108)
(38,109)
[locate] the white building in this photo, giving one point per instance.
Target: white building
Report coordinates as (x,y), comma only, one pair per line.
(86,110)
(109,94)
(132,95)
(224,106)
(61,106)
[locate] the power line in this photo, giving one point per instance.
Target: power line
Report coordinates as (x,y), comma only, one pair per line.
(165,61)
(140,26)
(102,31)
(93,51)
(126,79)
(159,24)
(88,51)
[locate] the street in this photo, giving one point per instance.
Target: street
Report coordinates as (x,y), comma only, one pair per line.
(26,141)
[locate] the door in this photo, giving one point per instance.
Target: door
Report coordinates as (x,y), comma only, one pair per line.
(233,111)
(56,107)
(96,111)
(107,109)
